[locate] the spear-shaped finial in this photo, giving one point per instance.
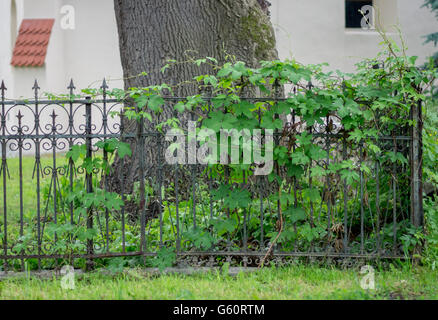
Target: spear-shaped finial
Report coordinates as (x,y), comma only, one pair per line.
(35,88)
(310,85)
(71,86)
(35,85)
(19,116)
(3,89)
(53,115)
(104,86)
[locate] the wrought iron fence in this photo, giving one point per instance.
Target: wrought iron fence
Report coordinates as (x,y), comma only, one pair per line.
(177,207)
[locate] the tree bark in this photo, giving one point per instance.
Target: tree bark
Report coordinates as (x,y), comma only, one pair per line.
(153,31)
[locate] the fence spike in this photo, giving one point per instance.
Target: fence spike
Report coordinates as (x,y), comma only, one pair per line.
(310,85)
(53,115)
(71,86)
(35,88)
(3,89)
(104,85)
(35,85)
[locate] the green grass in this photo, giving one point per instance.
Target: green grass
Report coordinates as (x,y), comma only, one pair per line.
(29,184)
(298,282)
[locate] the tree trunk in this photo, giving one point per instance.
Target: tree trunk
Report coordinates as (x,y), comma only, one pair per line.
(154,31)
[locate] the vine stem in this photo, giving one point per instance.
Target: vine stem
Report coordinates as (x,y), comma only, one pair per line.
(262,262)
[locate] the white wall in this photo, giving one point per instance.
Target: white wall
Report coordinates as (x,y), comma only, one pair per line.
(50,74)
(313,31)
(91,51)
(87,54)
(6,47)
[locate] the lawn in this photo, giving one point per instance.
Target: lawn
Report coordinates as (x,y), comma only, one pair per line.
(29,183)
(297,282)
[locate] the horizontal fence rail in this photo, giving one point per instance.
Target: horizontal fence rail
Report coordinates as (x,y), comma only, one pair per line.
(176,207)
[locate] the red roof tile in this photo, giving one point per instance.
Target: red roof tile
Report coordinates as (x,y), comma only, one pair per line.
(31,46)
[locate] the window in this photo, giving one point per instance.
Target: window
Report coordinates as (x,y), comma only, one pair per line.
(353,17)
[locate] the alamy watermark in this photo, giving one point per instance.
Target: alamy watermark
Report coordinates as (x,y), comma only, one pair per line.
(368,19)
(233,147)
(68,19)
(367,282)
(68,278)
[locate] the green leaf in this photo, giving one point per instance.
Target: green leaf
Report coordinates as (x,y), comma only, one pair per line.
(294,170)
(124,149)
(165,258)
(76,152)
(224,226)
(312,194)
(155,102)
(296,214)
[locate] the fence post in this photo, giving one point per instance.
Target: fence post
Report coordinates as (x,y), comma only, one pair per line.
(89,181)
(416,163)
(4,172)
(142,207)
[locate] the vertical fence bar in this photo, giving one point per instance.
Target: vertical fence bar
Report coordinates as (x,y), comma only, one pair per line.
(277,142)
(260,187)
(245,214)
(210,188)
(312,222)
(178,233)
(160,182)
(4,171)
(193,174)
(329,189)
(394,200)
(140,150)
(54,177)
(122,184)
(37,169)
(310,180)
(71,88)
(294,184)
(262,218)
(71,166)
(20,173)
(361,199)
(417,213)
(377,165)
(227,174)
(345,187)
(192,161)
(89,181)
(104,86)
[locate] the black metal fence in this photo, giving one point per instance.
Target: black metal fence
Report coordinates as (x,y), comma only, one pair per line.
(324,216)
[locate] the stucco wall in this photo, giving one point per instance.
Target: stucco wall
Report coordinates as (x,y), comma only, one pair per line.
(7,46)
(313,31)
(87,54)
(91,51)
